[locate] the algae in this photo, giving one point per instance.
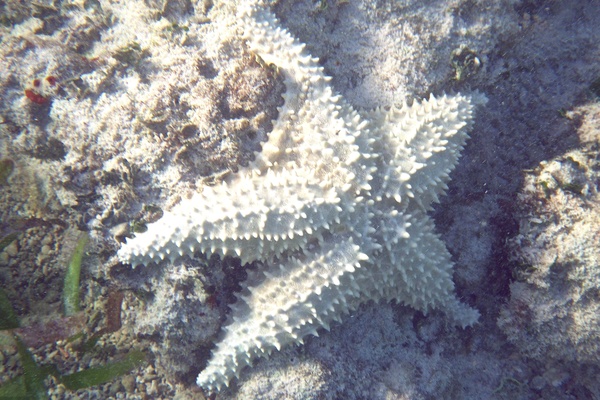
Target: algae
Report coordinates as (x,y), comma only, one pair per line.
(71,284)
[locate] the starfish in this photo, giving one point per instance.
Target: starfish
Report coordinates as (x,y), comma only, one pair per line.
(335,206)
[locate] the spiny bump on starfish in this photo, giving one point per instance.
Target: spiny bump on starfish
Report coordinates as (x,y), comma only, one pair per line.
(334,205)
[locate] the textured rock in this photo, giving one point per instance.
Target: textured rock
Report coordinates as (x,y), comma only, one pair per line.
(554,312)
(334,204)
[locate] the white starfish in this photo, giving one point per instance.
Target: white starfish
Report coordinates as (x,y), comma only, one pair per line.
(334,205)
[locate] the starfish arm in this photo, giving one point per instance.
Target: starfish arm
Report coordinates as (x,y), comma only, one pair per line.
(421,145)
(316,129)
(252,217)
(284,304)
(417,270)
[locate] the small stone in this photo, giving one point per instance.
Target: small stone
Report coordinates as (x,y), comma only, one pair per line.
(151,388)
(45,250)
(114,388)
(12,250)
(150,377)
(128,382)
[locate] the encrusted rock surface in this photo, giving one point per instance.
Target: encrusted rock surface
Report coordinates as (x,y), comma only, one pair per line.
(553,314)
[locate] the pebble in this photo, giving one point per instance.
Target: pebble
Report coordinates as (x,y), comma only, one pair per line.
(128,382)
(150,374)
(151,388)
(45,250)
(150,377)
(114,388)
(12,249)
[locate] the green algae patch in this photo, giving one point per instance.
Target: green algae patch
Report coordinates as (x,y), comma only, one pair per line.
(14,389)
(30,385)
(71,285)
(33,375)
(106,373)
(8,317)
